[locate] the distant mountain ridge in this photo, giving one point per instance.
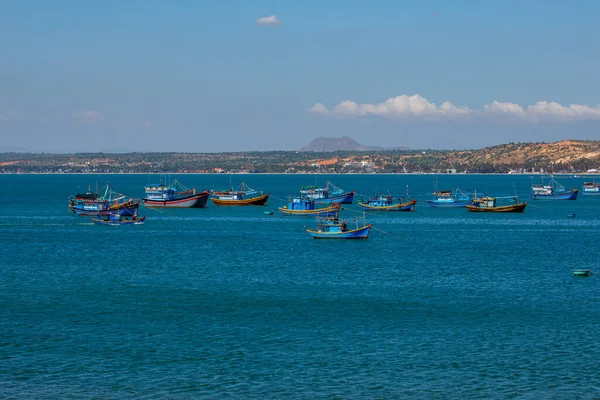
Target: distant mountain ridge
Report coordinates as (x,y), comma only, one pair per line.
(344,143)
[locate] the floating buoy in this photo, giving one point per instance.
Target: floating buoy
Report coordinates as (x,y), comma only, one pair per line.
(581,272)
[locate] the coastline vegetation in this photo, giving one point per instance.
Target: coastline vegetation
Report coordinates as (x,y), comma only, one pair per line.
(561,157)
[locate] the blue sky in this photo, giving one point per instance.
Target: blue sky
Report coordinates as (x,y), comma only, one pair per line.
(204,76)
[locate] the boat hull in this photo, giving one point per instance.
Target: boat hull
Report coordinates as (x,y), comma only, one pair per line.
(126,209)
(360,233)
(408,206)
(325,212)
(193,201)
(571,195)
(590,192)
(448,204)
(255,201)
(345,198)
(513,208)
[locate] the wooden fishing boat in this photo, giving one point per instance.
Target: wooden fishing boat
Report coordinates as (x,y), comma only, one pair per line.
(174,195)
(488,204)
(332,228)
(386,203)
(117,219)
(306,207)
(243,197)
(109,202)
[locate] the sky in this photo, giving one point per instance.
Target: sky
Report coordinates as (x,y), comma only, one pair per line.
(239,75)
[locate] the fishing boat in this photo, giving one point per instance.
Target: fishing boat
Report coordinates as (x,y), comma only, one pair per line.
(387,203)
(488,204)
(117,219)
(174,195)
(245,196)
(330,194)
(332,228)
(449,198)
(591,188)
(109,202)
(306,207)
(552,191)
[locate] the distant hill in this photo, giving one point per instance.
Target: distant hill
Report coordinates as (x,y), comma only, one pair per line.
(329,144)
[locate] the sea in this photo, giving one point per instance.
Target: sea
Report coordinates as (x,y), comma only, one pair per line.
(231,303)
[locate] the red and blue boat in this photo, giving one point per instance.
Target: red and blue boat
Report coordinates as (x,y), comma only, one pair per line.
(332,228)
(330,194)
(109,202)
(174,195)
(306,207)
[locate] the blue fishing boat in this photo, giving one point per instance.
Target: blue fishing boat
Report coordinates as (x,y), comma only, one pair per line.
(387,203)
(552,191)
(328,195)
(109,202)
(449,198)
(332,228)
(306,207)
(174,195)
(117,219)
(591,188)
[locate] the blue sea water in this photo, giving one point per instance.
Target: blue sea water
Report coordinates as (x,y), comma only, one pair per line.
(233,303)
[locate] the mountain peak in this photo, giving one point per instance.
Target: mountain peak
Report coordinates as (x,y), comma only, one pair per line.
(344,143)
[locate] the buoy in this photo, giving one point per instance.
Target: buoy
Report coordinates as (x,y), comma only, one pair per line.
(581,272)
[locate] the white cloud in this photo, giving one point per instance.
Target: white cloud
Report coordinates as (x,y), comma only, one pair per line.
(416,106)
(148,124)
(399,106)
(271,20)
(87,117)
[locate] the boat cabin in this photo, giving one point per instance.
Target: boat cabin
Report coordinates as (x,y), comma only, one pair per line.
(301,204)
(485,202)
(381,201)
(542,189)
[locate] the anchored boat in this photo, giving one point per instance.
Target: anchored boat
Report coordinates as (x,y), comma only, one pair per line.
(387,203)
(174,195)
(552,191)
(332,228)
(117,219)
(488,204)
(591,188)
(306,207)
(449,198)
(243,197)
(330,194)
(109,202)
